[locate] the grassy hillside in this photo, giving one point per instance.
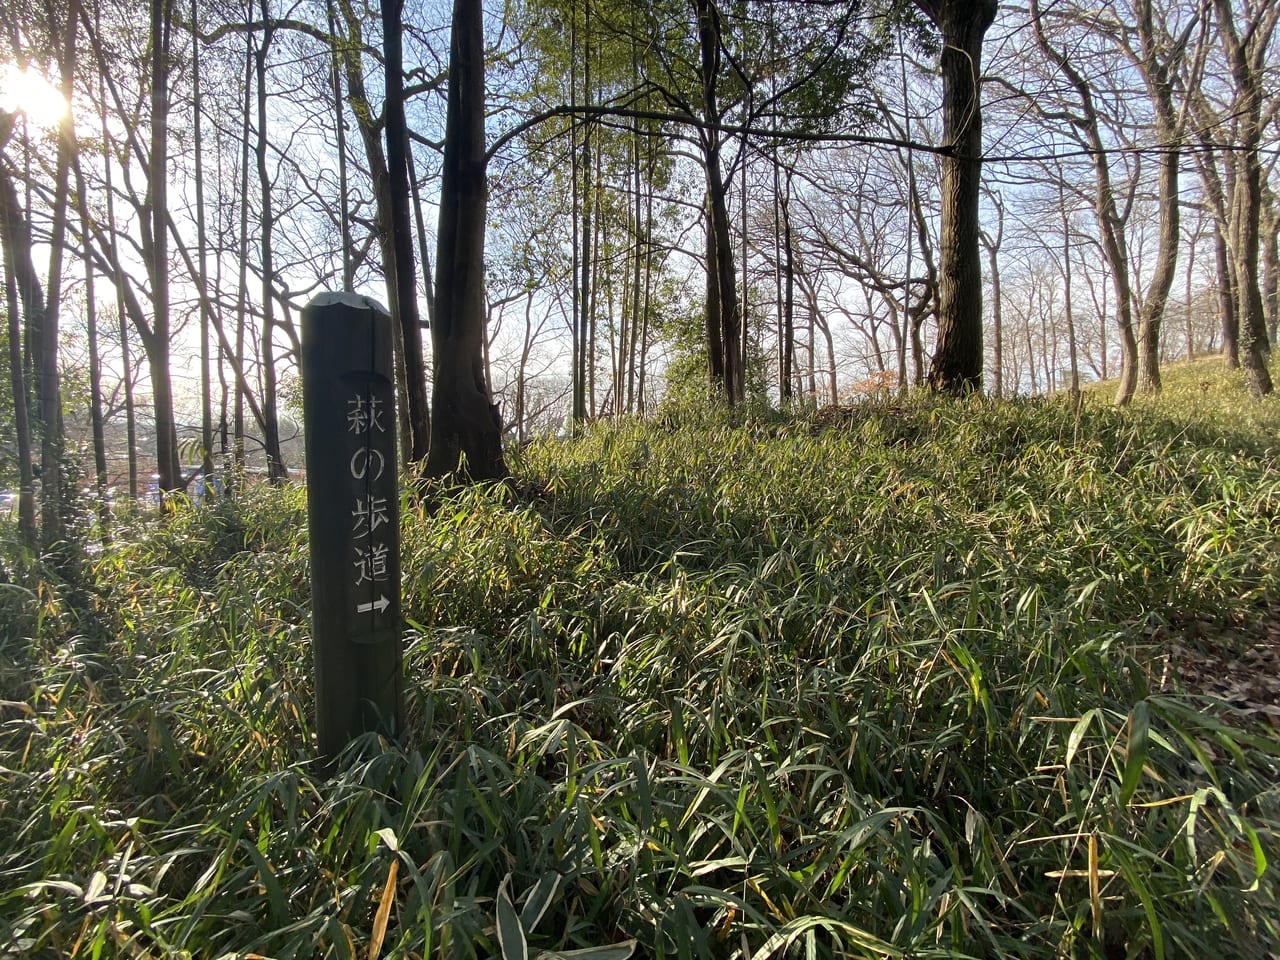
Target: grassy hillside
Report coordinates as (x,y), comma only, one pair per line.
(888,682)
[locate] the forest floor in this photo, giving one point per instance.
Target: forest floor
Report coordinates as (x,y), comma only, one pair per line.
(1240,667)
(914,679)
(1238,664)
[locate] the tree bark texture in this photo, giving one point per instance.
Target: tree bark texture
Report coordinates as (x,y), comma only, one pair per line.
(404,302)
(276,470)
(202,247)
(156,340)
(17,378)
(714,331)
(957,357)
(1271,264)
(1155,73)
(96,419)
(719,246)
(465,421)
(370,126)
(52,527)
(1247,56)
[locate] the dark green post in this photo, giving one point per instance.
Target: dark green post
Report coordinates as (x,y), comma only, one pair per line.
(348,402)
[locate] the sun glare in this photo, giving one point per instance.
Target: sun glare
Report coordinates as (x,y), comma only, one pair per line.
(29,92)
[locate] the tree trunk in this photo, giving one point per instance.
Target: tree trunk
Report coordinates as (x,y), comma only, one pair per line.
(421,226)
(1069,305)
(592,299)
(156,340)
(379,164)
(17,377)
(581,168)
(404,299)
(1271,264)
(52,524)
(340,131)
(276,470)
(1227,298)
(647,308)
(112,251)
(787,293)
(237,470)
(714,329)
(465,421)
(95,363)
(957,358)
(1155,73)
(719,245)
(1187,292)
(1247,57)
(202,245)
(1110,221)
(997,319)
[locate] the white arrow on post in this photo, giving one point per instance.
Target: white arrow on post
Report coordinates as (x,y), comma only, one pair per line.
(380,605)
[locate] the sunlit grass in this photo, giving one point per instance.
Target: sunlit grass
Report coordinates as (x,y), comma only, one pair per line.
(882,686)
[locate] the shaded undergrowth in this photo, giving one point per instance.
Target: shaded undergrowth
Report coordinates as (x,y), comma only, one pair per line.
(873,685)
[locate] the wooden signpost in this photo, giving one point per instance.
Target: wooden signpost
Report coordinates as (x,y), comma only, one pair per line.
(348,400)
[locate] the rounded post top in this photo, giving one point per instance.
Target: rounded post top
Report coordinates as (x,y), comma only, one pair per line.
(357,301)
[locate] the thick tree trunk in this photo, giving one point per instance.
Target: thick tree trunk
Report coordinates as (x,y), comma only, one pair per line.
(957,358)
(719,246)
(1247,57)
(714,329)
(734,381)
(130,405)
(1253,334)
(787,359)
(465,421)
(1151,314)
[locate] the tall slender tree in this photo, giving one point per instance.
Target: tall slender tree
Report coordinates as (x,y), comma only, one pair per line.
(276,468)
(12,224)
(157,338)
(404,294)
(202,247)
(1107,209)
(52,527)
